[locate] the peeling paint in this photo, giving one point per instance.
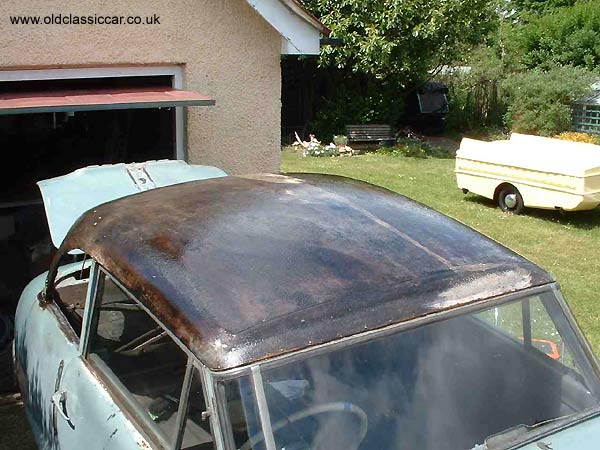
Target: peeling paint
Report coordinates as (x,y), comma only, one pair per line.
(484,286)
(143,444)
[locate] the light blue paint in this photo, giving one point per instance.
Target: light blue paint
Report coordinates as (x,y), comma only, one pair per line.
(40,345)
(583,436)
(67,197)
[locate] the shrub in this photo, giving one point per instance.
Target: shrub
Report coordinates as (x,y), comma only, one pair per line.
(316,149)
(489,134)
(414,148)
(340,140)
(574,136)
(539,102)
(474,91)
(382,104)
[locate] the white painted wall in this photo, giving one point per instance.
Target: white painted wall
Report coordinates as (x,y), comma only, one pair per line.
(298,37)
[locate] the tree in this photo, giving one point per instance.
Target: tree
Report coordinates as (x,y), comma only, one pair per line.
(538,7)
(401,41)
(475,96)
(566,36)
(540,59)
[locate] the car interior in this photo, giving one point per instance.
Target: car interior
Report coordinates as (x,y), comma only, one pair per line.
(72,291)
(140,355)
(447,385)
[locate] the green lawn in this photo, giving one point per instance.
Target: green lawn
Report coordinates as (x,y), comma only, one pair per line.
(567,246)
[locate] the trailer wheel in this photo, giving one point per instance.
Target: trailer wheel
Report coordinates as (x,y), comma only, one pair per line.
(510,200)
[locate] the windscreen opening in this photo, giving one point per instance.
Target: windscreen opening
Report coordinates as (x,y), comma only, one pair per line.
(449,384)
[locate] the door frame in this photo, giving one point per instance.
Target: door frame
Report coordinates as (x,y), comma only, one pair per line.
(174,71)
(121,397)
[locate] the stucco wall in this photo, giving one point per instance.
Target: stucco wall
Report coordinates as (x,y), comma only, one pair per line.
(228,52)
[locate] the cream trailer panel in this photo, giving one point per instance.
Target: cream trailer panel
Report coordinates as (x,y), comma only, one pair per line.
(531,171)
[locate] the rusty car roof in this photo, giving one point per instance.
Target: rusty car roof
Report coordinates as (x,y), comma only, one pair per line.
(243,268)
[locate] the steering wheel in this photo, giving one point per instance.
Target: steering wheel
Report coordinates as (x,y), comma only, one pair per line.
(313,411)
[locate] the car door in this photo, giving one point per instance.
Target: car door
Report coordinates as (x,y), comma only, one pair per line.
(66,405)
(63,395)
(133,384)
(85,415)
(44,343)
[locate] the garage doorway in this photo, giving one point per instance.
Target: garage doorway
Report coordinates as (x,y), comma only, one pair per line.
(81,120)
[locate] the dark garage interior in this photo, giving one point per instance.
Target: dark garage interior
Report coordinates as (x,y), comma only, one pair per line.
(43,145)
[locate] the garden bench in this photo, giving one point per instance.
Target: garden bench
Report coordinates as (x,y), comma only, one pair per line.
(383,134)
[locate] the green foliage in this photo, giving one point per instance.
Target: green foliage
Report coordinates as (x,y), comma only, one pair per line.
(415,149)
(381,105)
(539,101)
(523,78)
(519,74)
(565,36)
(490,134)
(537,6)
(474,95)
(321,151)
(389,47)
(401,40)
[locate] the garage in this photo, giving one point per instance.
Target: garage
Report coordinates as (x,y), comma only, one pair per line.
(201,83)
(55,122)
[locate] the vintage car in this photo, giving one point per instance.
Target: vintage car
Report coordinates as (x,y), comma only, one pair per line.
(293,312)
(531,171)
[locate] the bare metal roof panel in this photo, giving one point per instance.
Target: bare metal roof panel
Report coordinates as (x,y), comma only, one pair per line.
(244,268)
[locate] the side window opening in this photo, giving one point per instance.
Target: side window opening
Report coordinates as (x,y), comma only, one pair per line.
(197,433)
(137,355)
(530,317)
(71,290)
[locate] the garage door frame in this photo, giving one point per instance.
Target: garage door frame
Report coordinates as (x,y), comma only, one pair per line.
(174,71)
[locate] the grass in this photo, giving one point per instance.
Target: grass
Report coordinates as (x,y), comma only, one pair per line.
(567,246)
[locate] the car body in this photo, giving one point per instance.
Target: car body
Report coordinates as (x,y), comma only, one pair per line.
(531,171)
(297,312)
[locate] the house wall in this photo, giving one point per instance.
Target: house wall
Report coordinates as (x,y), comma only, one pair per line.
(227,51)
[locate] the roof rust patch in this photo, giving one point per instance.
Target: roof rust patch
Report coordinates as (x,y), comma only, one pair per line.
(243,268)
(171,246)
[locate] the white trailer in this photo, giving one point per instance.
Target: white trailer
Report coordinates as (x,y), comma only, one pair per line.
(531,171)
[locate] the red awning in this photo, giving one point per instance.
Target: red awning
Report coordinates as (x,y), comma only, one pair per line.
(98,99)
